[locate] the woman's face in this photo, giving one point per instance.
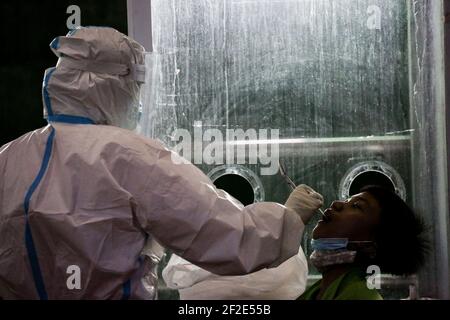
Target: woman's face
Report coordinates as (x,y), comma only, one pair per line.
(355,219)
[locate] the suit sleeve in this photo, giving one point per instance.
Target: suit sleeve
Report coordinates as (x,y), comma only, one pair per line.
(181,208)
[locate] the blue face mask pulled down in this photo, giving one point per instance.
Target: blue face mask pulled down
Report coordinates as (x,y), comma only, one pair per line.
(329,244)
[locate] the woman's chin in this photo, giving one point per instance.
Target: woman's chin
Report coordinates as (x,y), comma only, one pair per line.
(317,231)
(321,230)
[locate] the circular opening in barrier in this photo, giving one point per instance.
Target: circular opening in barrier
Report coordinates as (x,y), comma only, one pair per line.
(371,178)
(237,186)
(239,181)
(369,173)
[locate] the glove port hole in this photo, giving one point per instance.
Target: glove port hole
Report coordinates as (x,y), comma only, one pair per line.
(237,186)
(371,173)
(240,182)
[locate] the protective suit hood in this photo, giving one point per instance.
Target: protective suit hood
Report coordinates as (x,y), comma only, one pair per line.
(96,80)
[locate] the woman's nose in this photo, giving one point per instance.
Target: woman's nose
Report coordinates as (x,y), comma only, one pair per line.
(337,205)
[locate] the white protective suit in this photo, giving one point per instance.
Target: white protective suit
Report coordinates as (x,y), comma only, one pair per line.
(285,282)
(80,197)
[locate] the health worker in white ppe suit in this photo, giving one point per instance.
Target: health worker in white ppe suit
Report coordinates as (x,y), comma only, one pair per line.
(82,199)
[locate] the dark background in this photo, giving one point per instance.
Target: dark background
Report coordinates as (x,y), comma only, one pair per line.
(27,28)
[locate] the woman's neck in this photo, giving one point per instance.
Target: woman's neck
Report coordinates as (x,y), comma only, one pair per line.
(330,275)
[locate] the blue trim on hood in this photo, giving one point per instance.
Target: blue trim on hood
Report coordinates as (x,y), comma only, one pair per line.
(64,118)
(47,102)
(126,290)
(29,242)
(55,43)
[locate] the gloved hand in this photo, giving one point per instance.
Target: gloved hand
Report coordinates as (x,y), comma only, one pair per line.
(305,202)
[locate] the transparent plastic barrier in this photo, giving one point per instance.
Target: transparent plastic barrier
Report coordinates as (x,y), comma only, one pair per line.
(345,82)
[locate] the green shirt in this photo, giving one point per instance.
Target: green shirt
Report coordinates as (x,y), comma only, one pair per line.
(351,285)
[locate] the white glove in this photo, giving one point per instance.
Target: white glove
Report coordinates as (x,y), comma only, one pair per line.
(305,202)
